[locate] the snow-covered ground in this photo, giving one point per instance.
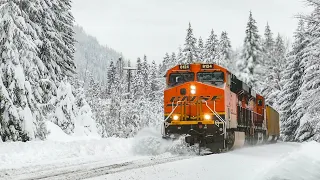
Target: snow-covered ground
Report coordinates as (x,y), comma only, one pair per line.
(147,156)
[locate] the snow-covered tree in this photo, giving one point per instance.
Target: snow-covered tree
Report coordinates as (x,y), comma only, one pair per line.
(111,78)
(307,103)
(271,86)
(153,77)
(268,42)
(250,62)
(138,84)
(166,63)
(22,74)
(146,76)
(173,60)
(190,50)
(224,51)
(211,48)
(201,50)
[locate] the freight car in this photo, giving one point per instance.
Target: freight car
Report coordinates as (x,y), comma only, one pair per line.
(211,107)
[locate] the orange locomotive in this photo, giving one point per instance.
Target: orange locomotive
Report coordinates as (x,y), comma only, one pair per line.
(213,108)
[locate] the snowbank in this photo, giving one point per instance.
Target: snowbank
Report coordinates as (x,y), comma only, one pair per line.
(302,164)
(60,146)
(15,154)
(56,134)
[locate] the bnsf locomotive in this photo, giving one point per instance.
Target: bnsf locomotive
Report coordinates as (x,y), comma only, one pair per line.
(211,107)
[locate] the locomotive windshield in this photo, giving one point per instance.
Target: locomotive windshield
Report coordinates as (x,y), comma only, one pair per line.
(215,78)
(179,78)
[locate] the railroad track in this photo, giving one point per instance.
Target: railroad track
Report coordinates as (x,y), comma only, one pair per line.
(89,169)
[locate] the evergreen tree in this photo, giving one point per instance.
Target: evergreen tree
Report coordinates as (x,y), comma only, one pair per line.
(224,51)
(179,56)
(166,63)
(138,84)
(21,87)
(307,103)
(153,77)
(250,64)
(272,84)
(57,48)
(173,60)
(268,43)
(145,74)
(290,115)
(201,50)
(211,48)
(190,51)
(111,78)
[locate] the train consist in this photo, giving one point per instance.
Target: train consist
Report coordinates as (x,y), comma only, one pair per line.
(211,107)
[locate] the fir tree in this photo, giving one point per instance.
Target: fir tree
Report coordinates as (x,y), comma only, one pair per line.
(173,60)
(250,64)
(21,70)
(138,84)
(111,78)
(306,104)
(190,52)
(211,48)
(268,43)
(290,116)
(201,50)
(272,84)
(145,74)
(224,50)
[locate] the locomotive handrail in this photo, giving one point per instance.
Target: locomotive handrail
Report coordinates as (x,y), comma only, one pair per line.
(219,117)
(172,111)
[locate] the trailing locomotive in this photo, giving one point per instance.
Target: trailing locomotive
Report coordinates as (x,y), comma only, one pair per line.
(211,107)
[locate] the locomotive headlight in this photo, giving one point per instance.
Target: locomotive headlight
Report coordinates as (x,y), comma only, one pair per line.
(193,89)
(207,117)
(175,117)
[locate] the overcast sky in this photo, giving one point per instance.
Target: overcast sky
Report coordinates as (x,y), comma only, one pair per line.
(154,27)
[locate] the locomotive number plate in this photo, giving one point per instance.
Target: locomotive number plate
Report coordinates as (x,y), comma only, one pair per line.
(207,66)
(184,66)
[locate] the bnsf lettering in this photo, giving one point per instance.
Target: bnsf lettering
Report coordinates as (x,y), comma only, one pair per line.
(194,98)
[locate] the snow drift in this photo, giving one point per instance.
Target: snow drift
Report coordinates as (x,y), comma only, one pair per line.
(60,146)
(302,164)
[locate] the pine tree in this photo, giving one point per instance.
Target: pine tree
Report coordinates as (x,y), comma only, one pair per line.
(201,50)
(190,51)
(211,48)
(153,77)
(250,64)
(307,103)
(111,78)
(145,74)
(179,56)
(290,115)
(165,65)
(272,84)
(138,84)
(173,60)
(57,48)
(268,43)
(224,51)
(21,70)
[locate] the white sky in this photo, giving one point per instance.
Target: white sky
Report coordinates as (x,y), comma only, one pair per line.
(154,27)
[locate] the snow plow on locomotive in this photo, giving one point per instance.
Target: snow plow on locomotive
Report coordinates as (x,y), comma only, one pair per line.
(211,107)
